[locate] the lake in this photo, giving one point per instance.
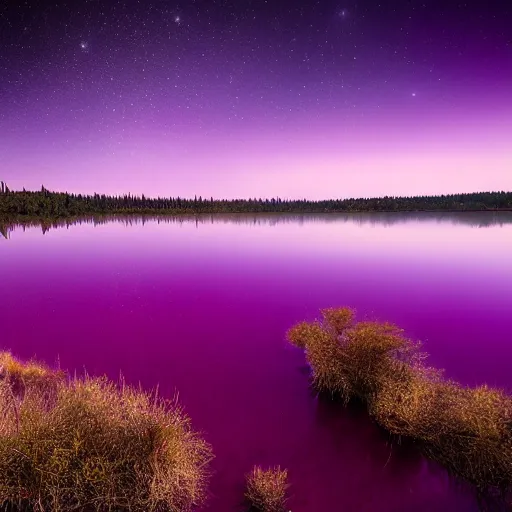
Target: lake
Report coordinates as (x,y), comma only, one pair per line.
(201,305)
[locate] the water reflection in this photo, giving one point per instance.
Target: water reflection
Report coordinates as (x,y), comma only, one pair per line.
(473,219)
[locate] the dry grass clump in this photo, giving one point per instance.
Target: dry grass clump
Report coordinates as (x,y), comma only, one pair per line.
(31,371)
(468,430)
(266,489)
(30,374)
(324,355)
(476,442)
(350,359)
(95,446)
(409,406)
(375,354)
(304,333)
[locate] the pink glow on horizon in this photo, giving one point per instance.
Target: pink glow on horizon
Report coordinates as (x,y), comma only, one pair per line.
(430,172)
(360,153)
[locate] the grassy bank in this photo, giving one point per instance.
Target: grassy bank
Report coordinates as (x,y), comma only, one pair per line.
(89,444)
(468,430)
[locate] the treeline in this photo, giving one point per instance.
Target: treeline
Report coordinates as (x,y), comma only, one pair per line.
(58,204)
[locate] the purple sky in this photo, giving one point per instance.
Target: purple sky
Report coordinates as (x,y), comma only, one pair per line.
(256,98)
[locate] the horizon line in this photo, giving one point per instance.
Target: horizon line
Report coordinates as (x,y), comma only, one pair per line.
(3,187)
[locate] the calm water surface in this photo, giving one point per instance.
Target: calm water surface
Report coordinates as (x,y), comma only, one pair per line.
(202,306)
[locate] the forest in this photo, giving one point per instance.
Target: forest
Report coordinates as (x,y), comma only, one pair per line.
(47,204)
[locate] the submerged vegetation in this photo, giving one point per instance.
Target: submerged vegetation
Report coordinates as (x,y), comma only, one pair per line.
(48,204)
(266,489)
(468,430)
(89,444)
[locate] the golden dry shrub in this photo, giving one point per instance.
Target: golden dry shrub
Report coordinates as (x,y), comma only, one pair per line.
(405,407)
(337,320)
(320,341)
(304,332)
(266,489)
(373,354)
(28,374)
(98,446)
(325,358)
(353,359)
(475,436)
(467,430)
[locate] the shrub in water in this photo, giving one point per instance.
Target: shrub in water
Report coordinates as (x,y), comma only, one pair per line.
(324,355)
(351,359)
(88,444)
(468,430)
(266,489)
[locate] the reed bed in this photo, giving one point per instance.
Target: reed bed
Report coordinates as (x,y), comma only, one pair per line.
(69,444)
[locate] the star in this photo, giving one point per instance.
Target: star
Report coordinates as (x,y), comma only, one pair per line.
(177,20)
(84,46)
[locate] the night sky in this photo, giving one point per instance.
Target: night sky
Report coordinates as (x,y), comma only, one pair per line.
(241,98)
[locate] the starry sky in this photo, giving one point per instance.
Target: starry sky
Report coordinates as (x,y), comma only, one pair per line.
(256,98)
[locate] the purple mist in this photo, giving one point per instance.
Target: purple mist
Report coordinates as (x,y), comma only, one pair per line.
(202,306)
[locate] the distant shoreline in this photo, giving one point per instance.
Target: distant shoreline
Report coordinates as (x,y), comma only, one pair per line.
(162,213)
(44,204)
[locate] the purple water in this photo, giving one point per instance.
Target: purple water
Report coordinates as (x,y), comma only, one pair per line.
(202,306)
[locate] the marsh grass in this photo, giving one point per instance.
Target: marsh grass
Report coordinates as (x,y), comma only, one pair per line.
(90,444)
(468,430)
(354,360)
(266,489)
